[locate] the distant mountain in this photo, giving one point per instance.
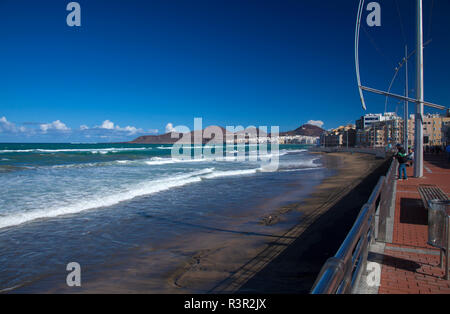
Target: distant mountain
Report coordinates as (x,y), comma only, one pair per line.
(156,139)
(305,130)
(208,135)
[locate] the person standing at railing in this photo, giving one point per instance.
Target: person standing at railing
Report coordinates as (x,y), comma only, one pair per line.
(402,159)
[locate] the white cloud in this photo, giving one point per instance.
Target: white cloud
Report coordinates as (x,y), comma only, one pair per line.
(55,125)
(9,127)
(6,126)
(178,129)
(318,123)
(107,125)
(169,128)
(54,130)
(111,126)
(130,129)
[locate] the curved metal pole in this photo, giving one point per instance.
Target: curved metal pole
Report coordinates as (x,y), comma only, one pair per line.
(357,30)
(419,100)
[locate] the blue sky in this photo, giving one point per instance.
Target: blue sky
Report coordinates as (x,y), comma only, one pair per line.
(134,66)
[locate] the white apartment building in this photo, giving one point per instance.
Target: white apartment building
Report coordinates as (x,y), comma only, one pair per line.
(369,119)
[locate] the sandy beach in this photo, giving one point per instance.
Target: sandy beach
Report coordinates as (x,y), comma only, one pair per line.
(278,260)
(275,245)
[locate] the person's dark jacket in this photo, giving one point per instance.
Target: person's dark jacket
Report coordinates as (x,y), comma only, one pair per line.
(401,156)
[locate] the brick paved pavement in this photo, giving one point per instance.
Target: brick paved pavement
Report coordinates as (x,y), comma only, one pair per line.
(410,265)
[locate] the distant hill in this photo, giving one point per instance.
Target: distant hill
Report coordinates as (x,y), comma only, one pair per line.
(208,136)
(171,138)
(156,139)
(305,130)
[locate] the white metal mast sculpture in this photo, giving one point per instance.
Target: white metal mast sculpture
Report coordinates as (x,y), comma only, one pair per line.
(419,101)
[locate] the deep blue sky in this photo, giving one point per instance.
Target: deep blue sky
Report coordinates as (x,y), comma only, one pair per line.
(144,64)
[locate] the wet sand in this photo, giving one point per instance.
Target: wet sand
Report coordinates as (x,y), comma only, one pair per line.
(329,214)
(244,264)
(263,250)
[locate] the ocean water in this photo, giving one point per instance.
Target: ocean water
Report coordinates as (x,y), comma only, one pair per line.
(98,204)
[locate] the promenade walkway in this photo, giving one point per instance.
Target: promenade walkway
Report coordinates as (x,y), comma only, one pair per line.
(409,264)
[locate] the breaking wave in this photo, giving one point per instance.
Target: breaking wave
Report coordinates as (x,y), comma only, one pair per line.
(99,201)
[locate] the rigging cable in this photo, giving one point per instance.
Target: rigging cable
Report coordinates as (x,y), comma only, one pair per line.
(430,20)
(397,69)
(401,22)
(372,41)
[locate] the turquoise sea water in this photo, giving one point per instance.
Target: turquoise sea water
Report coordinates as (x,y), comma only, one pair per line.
(87,202)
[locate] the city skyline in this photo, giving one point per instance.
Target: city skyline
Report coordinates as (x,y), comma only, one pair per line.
(136,68)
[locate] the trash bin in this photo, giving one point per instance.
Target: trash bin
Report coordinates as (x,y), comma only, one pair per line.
(437,216)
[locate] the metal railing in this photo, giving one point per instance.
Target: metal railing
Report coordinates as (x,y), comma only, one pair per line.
(387,201)
(341,272)
(378,152)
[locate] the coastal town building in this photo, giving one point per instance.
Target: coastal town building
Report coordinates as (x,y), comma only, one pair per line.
(367,120)
(435,130)
(371,137)
(372,118)
(343,136)
(387,130)
(295,140)
(298,139)
(379,130)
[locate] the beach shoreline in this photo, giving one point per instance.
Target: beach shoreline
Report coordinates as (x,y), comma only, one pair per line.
(228,267)
(329,213)
(228,252)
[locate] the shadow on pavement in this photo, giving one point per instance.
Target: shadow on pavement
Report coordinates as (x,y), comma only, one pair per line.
(296,268)
(412,212)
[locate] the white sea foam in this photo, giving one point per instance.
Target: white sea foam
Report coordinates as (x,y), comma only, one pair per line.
(308,163)
(292,151)
(157,161)
(81,165)
(75,150)
(4,151)
(103,196)
(93,164)
(154,161)
(165,161)
(232,173)
(114,150)
(144,188)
